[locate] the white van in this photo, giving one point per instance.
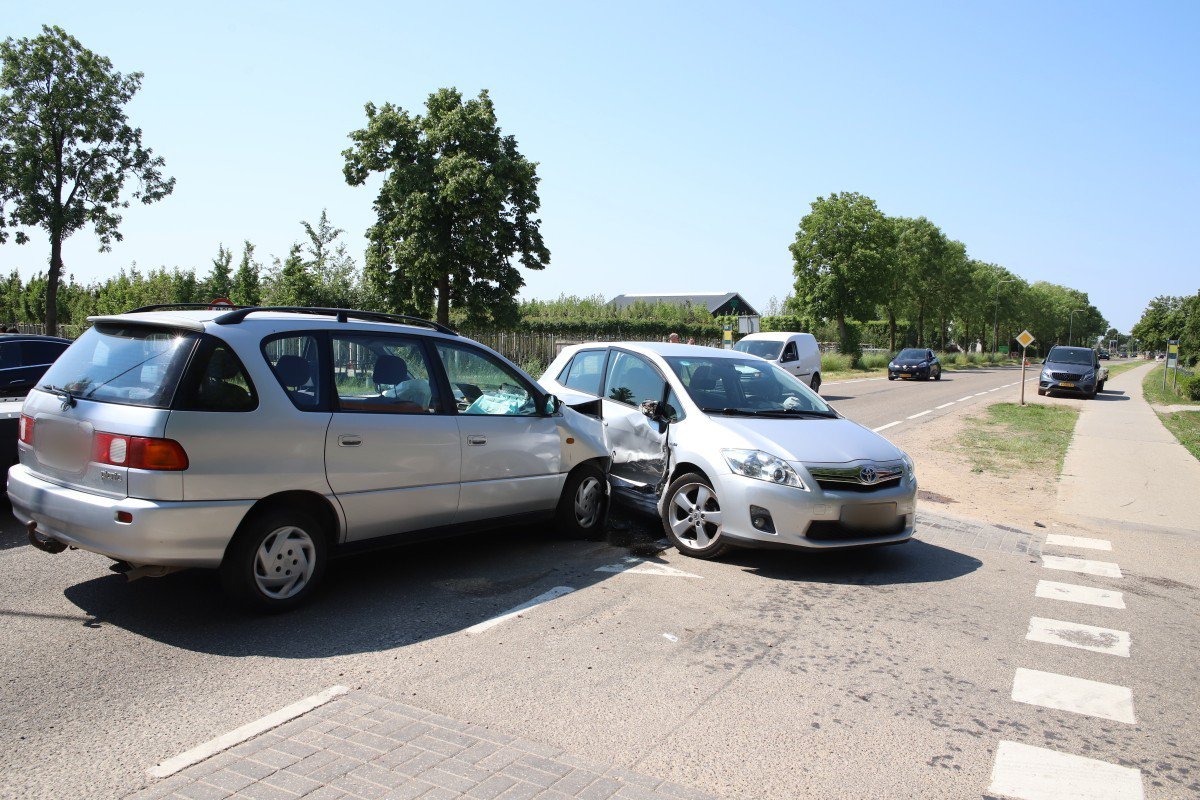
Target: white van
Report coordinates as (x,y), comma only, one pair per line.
(795,352)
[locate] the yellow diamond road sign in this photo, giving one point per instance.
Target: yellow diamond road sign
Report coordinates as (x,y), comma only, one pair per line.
(1025,339)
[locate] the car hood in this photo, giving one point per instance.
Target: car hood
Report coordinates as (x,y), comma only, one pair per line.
(813,441)
(1060,366)
(908,362)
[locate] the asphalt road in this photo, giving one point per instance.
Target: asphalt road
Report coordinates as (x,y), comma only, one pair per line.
(881,673)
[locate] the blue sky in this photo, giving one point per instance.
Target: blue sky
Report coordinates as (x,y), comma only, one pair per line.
(680,143)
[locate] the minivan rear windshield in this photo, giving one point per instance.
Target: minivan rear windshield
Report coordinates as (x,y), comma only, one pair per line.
(763,348)
(132,365)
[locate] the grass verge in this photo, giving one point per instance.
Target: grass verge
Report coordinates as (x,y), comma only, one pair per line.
(1009,438)
(1116,369)
(1185,425)
(1152,388)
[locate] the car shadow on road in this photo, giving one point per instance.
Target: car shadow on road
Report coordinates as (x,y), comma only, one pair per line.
(368,602)
(915,561)
(1112,394)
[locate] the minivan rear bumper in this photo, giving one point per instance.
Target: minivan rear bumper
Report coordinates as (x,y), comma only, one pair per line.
(171,534)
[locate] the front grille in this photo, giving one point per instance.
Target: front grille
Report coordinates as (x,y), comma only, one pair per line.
(1065,376)
(842,486)
(832,531)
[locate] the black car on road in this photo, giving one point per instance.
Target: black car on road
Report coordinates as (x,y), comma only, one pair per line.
(915,363)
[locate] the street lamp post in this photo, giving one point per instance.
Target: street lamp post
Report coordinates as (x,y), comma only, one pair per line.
(996,315)
(1071,325)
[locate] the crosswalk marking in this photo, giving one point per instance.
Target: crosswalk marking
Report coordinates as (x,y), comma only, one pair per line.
(1078,541)
(1085,637)
(1073,593)
(1035,773)
(1106,569)
(1076,695)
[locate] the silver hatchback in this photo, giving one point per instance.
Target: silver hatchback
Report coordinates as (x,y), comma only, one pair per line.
(263,441)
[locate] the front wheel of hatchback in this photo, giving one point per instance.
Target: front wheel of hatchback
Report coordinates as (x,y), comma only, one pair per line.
(584,503)
(276,560)
(938,376)
(692,517)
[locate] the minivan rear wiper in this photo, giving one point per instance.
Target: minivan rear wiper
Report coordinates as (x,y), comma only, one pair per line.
(59,391)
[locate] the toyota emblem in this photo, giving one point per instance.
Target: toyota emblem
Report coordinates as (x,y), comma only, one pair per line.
(868,475)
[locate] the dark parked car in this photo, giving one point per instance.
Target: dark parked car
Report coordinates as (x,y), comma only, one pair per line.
(1074,370)
(1105,356)
(915,363)
(24,358)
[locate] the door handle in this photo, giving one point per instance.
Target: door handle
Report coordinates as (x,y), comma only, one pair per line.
(476,441)
(349,441)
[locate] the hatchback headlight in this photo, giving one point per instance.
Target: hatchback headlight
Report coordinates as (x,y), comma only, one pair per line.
(910,469)
(763,466)
(923,364)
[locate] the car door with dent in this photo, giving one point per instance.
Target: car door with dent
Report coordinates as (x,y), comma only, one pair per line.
(634,441)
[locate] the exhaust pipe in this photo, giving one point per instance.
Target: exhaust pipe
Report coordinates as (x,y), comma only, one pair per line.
(47,545)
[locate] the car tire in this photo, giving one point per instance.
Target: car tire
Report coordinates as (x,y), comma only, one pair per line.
(815,383)
(689,495)
(1042,392)
(276,559)
(1100,387)
(891,377)
(583,507)
(938,376)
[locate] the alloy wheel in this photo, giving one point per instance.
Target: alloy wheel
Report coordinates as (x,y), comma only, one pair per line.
(695,516)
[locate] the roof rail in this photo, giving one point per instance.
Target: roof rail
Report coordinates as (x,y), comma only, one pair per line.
(180,306)
(342,315)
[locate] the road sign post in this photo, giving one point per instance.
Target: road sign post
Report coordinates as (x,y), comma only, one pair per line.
(1025,339)
(1172,362)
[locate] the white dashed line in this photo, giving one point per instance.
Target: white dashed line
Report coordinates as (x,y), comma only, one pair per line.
(1073,593)
(964,399)
(980,394)
(638,566)
(557,591)
(923,413)
(247,731)
(1076,695)
(943,405)
(1035,773)
(1084,637)
(885,427)
(1105,569)
(1078,541)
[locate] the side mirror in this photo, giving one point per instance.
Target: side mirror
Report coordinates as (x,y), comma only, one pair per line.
(551,405)
(649,409)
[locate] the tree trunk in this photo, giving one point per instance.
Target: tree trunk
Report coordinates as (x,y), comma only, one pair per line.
(443,306)
(942,331)
(921,326)
(52,282)
(891,330)
(841,321)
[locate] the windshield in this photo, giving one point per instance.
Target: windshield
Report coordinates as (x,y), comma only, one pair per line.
(763,348)
(1070,355)
(744,385)
(135,365)
(912,355)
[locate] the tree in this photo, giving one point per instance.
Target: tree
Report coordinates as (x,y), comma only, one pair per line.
(66,146)
(219,280)
(1162,320)
(245,290)
(292,282)
(456,207)
(922,251)
(840,254)
(333,269)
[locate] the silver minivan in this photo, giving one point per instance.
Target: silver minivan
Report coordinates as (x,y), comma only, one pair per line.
(262,441)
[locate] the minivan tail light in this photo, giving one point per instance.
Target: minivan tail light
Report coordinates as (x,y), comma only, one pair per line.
(139,452)
(26,432)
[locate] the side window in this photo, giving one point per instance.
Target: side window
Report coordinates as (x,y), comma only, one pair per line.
(10,355)
(585,371)
(379,373)
(218,382)
(674,409)
(296,361)
(482,385)
(632,379)
(38,354)
(789,352)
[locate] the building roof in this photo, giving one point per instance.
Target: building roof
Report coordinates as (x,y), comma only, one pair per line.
(713,301)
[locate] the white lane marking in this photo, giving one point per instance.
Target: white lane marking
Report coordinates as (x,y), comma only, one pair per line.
(943,405)
(1036,773)
(885,427)
(923,413)
(557,591)
(964,399)
(247,731)
(1073,593)
(1073,634)
(1106,569)
(670,637)
(980,394)
(1078,541)
(998,388)
(638,566)
(1076,695)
